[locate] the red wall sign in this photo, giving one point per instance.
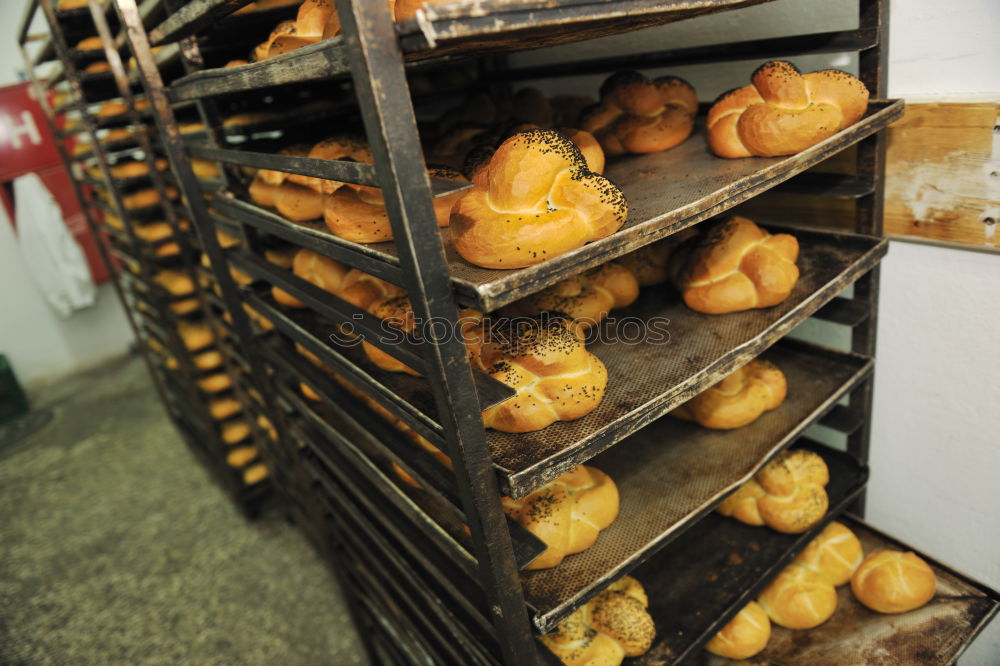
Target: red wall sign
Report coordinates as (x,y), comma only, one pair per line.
(27,146)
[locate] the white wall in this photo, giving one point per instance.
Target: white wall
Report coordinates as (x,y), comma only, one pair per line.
(936,429)
(38,343)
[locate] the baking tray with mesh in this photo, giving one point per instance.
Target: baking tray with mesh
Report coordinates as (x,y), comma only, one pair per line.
(648,378)
(701,580)
(937,633)
(673,472)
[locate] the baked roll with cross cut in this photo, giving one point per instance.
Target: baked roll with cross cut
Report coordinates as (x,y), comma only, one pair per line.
(735,266)
(636,115)
(555,377)
(744,636)
(585,299)
(611,626)
(535,200)
(738,399)
(891,581)
(799,598)
(567,513)
(788,494)
(783,112)
(835,554)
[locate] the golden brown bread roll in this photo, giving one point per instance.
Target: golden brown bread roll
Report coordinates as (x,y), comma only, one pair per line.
(188,305)
(175,280)
(71,4)
(735,266)
(744,636)
(567,513)
(283,257)
(208,360)
(611,626)
(636,115)
(98,67)
(223,408)
(195,335)
(348,148)
(555,377)
(255,474)
(354,286)
(783,112)
(147,197)
(112,108)
(235,431)
(835,554)
(650,264)
(586,298)
(220,381)
(891,581)
(737,399)
(589,147)
(297,202)
(535,200)
(397,313)
(799,598)
(358,213)
(787,495)
(241,455)
(204,169)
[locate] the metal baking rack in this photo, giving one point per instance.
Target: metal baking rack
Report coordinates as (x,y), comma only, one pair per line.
(432,569)
(133,260)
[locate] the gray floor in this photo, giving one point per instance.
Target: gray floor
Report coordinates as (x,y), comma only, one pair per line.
(116,548)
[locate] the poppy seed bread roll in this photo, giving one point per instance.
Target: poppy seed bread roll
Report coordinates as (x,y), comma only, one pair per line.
(555,377)
(783,112)
(567,513)
(535,200)
(611,626)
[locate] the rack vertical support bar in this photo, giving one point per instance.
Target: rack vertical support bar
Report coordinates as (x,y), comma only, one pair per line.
(173,144)
(873,70)
(380,83)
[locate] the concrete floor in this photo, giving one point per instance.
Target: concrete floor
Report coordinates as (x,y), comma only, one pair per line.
(116,547)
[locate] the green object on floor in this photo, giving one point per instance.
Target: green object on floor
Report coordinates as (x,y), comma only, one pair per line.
(13,403)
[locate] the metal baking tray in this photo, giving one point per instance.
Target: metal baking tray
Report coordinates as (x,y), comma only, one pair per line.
(649,378)
(666,192)
(933,634)
(673,472)
(706,576)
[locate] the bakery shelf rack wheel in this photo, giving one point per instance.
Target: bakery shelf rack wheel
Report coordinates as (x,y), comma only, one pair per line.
(393,475)
(112,149)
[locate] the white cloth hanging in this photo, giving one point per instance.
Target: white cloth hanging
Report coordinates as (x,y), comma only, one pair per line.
(54,258)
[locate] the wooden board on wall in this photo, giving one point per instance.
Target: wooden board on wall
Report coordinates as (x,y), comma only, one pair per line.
(943,174)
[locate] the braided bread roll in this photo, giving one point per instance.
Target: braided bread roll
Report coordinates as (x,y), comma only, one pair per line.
(736,266)
(835,554)
(799,598)
(788,494)
(567,513)
(535,200)
(783,112)
(611,626)
(586,298)
(738,399)
(744,636)
(636,115)
(891,581)
(556,378)
(354,286)
(359,214)
(650,264)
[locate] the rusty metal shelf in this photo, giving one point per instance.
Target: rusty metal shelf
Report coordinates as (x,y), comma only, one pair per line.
(648,379)
(674,472)
(937,633)
(701,580)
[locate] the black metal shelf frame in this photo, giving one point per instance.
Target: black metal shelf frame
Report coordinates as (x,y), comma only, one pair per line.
(446,408)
